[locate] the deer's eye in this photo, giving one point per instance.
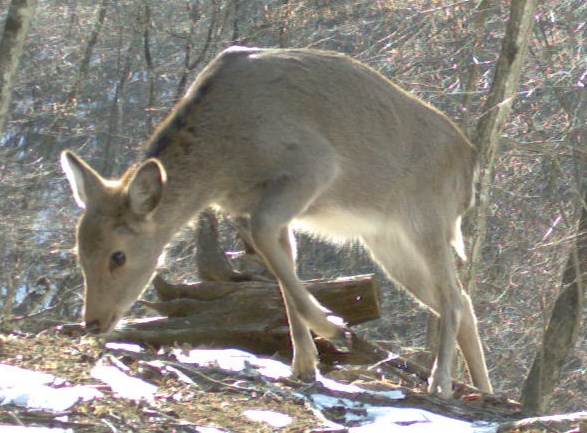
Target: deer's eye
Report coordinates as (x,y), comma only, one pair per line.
(117,260)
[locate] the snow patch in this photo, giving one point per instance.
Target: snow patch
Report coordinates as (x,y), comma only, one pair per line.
(123,385)
(45,391)
(274,419)
(233,360)
(31,389)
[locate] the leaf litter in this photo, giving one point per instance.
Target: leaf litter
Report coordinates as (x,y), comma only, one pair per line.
(54,383)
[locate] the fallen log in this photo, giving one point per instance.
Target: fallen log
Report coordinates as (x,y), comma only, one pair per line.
(357,299)
(249,315)
(572,422)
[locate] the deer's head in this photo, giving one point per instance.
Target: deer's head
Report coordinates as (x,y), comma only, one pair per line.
(117,242)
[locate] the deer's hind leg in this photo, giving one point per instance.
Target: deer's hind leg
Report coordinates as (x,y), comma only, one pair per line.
(283,199)
(472,349)
(424,265)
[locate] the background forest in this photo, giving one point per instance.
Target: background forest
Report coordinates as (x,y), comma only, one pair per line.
(96,77)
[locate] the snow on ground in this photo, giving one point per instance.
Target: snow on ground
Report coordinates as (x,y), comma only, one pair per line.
(43,391)
(32,389)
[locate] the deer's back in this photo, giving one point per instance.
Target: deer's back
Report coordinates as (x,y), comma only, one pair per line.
(253,114)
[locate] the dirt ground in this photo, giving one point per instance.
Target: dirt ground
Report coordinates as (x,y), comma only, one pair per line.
(214,402)
(211,401)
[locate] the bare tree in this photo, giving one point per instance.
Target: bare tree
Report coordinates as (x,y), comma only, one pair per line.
(16,28)
(496,110)
(92,41)
(563,328)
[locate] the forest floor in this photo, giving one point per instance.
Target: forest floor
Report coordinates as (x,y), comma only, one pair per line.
(124,388)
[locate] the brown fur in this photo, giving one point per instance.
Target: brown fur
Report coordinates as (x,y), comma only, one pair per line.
(293,136)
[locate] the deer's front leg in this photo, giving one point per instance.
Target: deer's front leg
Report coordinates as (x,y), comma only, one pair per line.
(270,233)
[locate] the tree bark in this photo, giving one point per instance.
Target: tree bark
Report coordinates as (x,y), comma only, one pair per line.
(563,328)
(507,76)
(16,28)
(496,110)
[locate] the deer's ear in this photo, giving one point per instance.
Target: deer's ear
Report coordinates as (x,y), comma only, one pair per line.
(85,182)
(145,188)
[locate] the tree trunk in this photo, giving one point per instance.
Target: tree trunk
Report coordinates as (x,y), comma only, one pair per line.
(92,41)
(563,327)
(16,28)
(211,261)
(496,110)
(507,76)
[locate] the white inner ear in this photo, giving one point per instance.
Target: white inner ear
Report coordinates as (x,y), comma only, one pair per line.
(75,177)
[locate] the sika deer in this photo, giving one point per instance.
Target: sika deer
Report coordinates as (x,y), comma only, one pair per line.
(285,136)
